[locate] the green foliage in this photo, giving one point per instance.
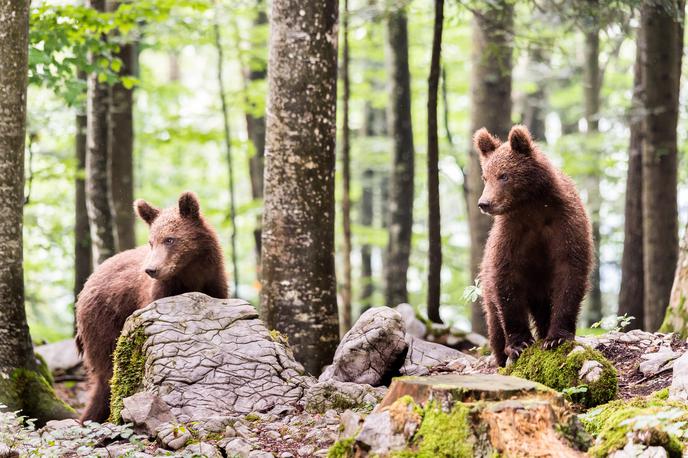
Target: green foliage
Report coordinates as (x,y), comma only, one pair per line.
(128,368)
(343,448)
(663,423)
(559,369)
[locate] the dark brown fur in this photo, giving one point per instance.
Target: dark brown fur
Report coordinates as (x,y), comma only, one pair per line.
(538,256)
(184,255)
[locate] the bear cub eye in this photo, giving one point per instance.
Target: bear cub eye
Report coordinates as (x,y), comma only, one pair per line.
(503,177)
(168,241)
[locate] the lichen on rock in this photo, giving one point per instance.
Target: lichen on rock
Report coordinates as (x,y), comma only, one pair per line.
(582,373)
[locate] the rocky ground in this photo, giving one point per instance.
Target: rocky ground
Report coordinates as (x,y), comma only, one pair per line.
(283,412)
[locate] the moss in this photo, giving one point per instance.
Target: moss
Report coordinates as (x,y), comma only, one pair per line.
(613,422)
(343,448)
(252,417)
(278,337)
(558,369)
(662,394)
(27,390)
(44,370)
(129,366)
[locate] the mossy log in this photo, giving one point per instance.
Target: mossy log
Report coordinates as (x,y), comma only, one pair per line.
(466,416)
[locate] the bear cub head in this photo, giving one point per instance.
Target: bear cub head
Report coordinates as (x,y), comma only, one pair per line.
(513,172)
(177,236)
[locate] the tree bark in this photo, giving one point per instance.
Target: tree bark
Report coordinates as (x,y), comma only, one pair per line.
(345,323)
(632,291)
(100,216)
(21,385)
(83,265)
(535,103)
(490,82)
(434,220)
(402,175)
(676,319)
(299,286)
(661,73)
(591,89)
(120,139)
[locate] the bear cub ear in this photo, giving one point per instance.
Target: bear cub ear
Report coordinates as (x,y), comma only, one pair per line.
(520,140)
(189,206)
(145,211)
(485,142)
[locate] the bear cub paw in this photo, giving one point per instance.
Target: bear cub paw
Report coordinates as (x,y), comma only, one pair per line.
(514,350)
(552,342)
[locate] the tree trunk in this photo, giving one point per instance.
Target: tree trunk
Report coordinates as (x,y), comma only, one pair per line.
(228,149)
(591,88)
(676,319)
(366,219)
(535,103)
(100,216)
(661,73)
(120,139)
(631,293)
(255,125)
(345,323)
(490,82)
(299,294)
(21,385)
(83,265)
(434,220)
(401,180)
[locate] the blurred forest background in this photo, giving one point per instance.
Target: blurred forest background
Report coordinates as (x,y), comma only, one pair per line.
(565,69)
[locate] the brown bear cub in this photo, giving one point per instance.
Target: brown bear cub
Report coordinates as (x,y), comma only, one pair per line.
(183,255)
(538,256)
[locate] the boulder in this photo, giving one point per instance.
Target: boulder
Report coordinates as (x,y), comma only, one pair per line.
(679,381)
(147,412)
(655,362)
(60,356)
(414,326)
(205,357)
(423,355)
(372,351)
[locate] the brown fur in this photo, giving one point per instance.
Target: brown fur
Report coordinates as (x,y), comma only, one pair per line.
(538,256)
(184,255)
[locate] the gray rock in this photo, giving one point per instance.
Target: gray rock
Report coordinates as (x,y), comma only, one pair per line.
(213,357)
(414,326)
(655,362)
(590,371)
(238,448)
(260,454)
(305,451)
(379,435)
(62,355)
(54,425)
(371,351)
(632,450)
(173,436)
(476,339)
(147,412)
(203,449)
(120,449)
(341,395)
(422,355)
(679,381)
(351,423)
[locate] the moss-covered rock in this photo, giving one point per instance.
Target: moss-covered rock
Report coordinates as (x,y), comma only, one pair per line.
(565,369)
(44,370)
(647,421)
(343,448)
(129,366)
(27,390)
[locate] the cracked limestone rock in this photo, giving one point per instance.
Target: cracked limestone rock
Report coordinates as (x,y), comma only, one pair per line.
(210,357)
(341,396)
(422,355)
(147,412)
(372,351)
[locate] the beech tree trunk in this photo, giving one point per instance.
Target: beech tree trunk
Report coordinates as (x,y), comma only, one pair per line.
(490,82)
(661,73)
(632,291)
(83,264)
(535,103)
(400,205)
(591,88)
(299,293)
(120,140)
(345,323)
(21,385)
(434,220)
(676,319)
(100,217)
(366,219)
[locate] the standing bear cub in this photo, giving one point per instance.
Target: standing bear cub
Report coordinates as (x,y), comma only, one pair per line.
(183,255)
(538,256)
